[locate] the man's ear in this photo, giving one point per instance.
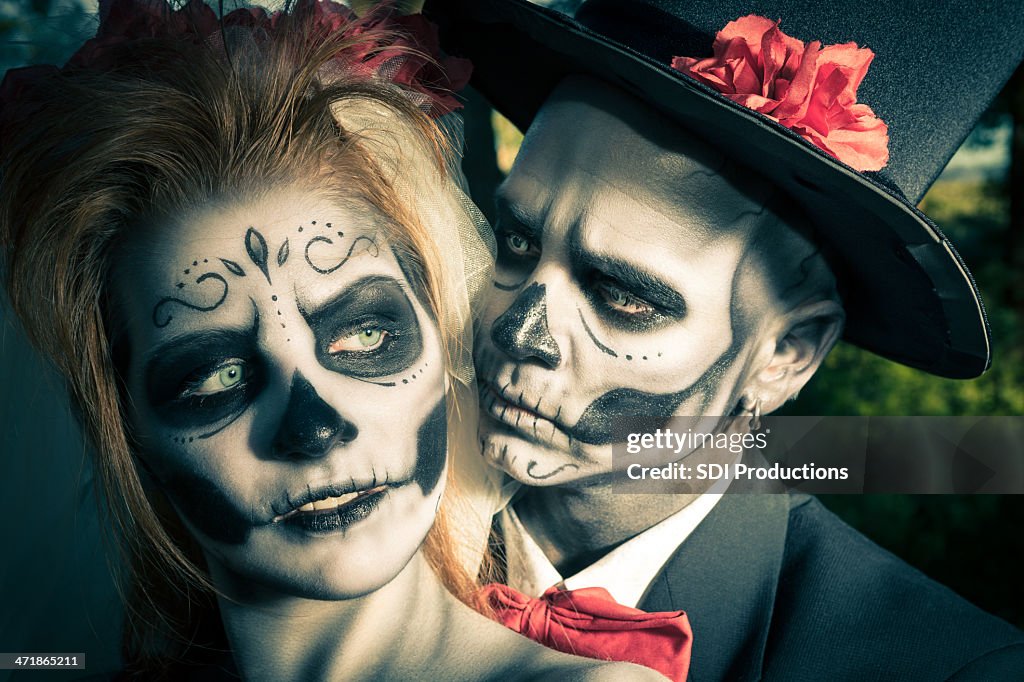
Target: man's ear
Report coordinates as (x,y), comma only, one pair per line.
(809,334)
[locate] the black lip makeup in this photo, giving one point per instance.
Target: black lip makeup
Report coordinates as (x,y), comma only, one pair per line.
(336,513)
(288,503)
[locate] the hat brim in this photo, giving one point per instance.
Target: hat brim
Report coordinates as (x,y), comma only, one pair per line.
(908,295)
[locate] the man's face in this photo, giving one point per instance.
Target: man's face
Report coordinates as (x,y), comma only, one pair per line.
(621,268)
(286,390)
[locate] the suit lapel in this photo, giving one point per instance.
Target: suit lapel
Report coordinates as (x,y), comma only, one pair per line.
(724,576)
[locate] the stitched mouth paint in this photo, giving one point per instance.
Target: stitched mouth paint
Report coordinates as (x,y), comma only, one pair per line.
(320,367)
(329,520)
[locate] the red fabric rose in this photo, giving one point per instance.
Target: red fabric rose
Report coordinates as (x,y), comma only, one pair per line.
(809,89)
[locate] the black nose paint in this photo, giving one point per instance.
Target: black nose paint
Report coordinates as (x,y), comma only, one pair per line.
(310,427)
(522,330)
(431,448)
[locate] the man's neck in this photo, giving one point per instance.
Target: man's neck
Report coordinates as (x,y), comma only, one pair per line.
(577,526)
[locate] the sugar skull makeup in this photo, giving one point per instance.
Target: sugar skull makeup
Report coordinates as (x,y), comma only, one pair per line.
(286,389)
(626,285)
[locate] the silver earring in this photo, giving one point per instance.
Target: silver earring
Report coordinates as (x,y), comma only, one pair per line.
(755,417)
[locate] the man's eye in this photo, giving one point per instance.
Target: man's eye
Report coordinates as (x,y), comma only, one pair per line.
(520,245)
(622,301)
(224,378)
(366,339)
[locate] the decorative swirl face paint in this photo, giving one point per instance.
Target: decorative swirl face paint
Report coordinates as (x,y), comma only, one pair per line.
(286,388)
(622,288)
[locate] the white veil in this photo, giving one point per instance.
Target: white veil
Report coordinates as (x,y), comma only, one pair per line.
(465,246)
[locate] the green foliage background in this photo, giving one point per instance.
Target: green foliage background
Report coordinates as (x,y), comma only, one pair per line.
(975,216)
(971,543)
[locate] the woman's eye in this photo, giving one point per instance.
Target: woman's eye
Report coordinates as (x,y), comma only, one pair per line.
(367,339)
(519,245)
(622,301)
(224,378)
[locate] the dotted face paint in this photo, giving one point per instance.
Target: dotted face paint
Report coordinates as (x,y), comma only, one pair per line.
(614,292)
(288,398)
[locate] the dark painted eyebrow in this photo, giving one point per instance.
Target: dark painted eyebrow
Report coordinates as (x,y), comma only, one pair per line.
(636,280)
(510,215)
(642,283)
(351,292)
(165,364)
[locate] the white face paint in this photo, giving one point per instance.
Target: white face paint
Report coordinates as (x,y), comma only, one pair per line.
(287,390)
(620,267)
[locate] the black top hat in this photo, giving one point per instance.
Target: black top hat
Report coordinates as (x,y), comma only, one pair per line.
(938,63)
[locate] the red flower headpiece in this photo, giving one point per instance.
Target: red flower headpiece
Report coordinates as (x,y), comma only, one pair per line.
(807,88)
(410,57)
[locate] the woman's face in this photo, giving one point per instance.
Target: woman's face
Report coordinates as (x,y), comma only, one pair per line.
(286,390)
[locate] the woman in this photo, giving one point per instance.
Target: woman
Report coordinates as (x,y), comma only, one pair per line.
(257,281)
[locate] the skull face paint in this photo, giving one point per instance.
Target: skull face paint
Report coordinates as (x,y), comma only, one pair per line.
(622,286)
(286,390)
(522,330)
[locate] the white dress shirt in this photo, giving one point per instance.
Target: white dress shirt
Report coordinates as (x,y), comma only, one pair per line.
(625,572)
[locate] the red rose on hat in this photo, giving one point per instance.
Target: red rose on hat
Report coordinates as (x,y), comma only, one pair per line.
(807,88)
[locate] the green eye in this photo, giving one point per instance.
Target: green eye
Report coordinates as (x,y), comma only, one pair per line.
(366,339)
(518,244)
(370,337)
(225,377)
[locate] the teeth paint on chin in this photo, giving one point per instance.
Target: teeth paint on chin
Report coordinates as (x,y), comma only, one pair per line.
(526,425)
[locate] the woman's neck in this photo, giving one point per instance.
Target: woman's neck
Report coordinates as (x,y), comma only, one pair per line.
(391,632)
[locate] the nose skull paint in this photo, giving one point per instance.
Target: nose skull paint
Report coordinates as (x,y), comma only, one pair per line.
(522,330)
(310,427)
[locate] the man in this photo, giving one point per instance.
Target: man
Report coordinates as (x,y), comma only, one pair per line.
(665,252)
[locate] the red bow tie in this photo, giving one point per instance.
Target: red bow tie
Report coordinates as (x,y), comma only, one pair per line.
(588,622)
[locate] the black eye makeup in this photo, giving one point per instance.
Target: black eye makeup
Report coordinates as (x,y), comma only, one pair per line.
(224,377)
(620,307)
(625,297)
(620,300)
(517,235)
(368,331)
(516,249)
(518,245)
(203,378)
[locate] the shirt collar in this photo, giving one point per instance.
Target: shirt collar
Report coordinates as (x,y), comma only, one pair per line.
(625,572)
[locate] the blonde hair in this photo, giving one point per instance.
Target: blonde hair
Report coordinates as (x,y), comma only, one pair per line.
(87,155)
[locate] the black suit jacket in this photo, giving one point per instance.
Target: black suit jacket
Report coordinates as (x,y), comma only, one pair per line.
(777,587)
